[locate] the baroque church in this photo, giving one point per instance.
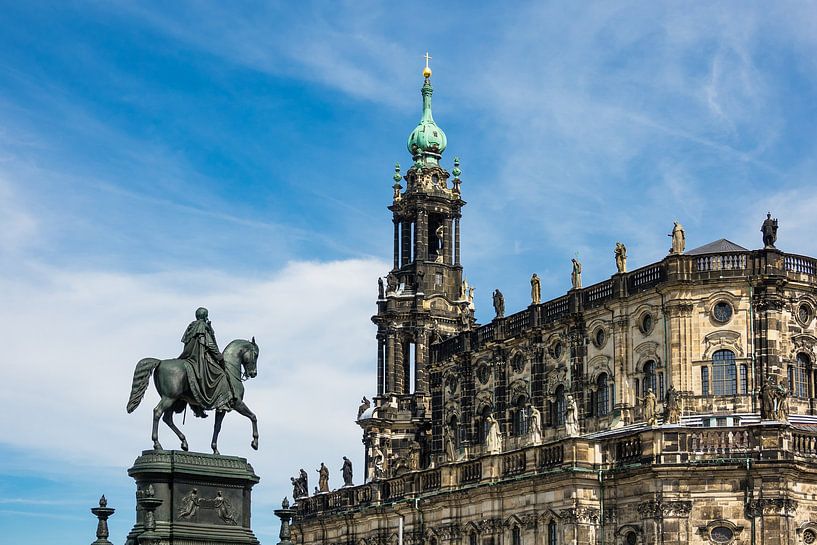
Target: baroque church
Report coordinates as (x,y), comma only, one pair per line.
(670,404)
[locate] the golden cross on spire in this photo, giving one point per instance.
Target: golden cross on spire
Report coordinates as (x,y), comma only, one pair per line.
(427,70)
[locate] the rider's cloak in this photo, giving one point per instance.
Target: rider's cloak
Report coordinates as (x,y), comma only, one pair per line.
(210,385)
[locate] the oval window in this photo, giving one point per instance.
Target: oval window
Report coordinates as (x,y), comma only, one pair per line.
(600,337)
(804,314)
(722,311)
(721,534)
(557,350)
(646,324)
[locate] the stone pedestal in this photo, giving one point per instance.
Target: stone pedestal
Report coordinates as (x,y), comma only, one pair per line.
(205,499)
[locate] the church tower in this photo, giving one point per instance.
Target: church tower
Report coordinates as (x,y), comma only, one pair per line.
(425,299)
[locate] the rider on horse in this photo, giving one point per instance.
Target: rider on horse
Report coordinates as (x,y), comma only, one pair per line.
(210,385)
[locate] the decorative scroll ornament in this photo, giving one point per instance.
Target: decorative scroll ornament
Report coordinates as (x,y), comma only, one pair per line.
(783,507)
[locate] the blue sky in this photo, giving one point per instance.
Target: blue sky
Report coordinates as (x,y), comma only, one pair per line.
(156,157)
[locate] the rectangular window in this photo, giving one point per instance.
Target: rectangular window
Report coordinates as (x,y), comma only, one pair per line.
(724,380)
(744,379)
(552,538)
(660,385)
(705,381)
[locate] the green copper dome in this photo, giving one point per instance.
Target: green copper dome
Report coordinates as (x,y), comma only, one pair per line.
(427,139)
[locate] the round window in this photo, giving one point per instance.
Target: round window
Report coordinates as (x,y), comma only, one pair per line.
(646,324)
(600,337)
(804,314)
(483,373)
(518,363)
(809,536)
(631,538)
(721,534)
(722,311)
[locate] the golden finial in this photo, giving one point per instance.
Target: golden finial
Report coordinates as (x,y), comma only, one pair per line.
(427,70)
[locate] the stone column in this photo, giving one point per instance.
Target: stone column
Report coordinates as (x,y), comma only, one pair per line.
(421,236)
(405,258)
(457,241)
(396,243)
(420,379)
(447,246)
(397,367)
(390,363)
(681,343)
(381,364)
(579,525)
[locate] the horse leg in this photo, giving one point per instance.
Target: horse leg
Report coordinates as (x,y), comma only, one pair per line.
(242,408)
(164,404)
(216,429)
(168,418)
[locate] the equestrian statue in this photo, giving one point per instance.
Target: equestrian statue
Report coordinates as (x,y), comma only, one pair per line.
(202,377)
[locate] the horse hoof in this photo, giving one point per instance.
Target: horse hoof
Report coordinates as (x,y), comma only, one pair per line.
(184,445)
(157,446)
(254,444)
(216,452)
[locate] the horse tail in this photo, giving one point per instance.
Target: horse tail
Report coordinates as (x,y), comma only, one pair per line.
(141,378)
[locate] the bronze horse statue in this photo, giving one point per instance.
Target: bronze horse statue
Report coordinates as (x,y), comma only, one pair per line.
(172,383)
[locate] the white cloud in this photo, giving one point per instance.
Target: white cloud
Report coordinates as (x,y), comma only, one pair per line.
(72,340)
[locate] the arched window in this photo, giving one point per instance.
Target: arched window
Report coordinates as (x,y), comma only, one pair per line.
(649,377)
(704,381)
(472,538)
(516,536)
(559,407)
(602,395)
(552,537)
(798,375)
(519,424)
(724,379)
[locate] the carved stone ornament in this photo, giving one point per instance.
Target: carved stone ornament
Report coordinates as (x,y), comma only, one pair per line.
(580,515)
(660,509)
(783,507)
(490,526)
(722,339)
(448,531)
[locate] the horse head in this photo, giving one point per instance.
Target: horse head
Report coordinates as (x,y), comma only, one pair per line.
(244,354)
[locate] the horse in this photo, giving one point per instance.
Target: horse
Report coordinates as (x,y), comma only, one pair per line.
(172,382)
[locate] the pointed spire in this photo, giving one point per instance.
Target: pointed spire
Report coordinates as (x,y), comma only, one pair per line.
(427,141)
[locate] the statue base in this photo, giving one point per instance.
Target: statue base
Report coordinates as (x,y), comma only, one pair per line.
(205,498)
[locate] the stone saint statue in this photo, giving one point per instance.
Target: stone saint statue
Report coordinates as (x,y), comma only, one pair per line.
(781,402)
(499,304)
(346,471)
(650,404)
(571,417)
(323,478)
(378,460)
(535,426)
(391,283)
(364,406)
(678,239)
(304,479)
(380,289)
(493,439)
(439,234)
(769,230)
(576,275)
(535,290)
(672,407)
(621,257)
(450,449)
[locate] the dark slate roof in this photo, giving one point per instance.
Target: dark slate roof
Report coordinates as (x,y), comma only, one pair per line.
(721,246)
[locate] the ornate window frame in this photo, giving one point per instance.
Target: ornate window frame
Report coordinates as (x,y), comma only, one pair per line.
(706,531)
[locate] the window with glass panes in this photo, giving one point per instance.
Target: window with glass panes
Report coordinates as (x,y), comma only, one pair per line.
(705,381)
(724,379)
(602,395)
